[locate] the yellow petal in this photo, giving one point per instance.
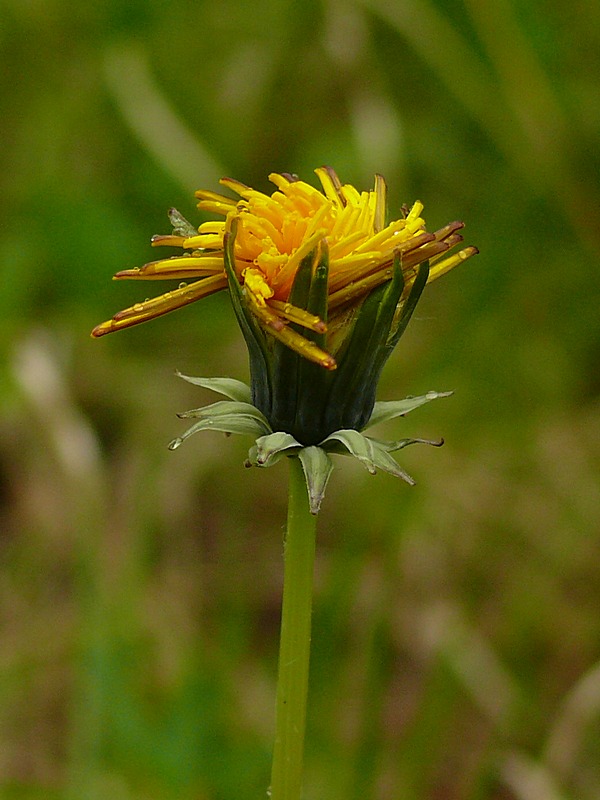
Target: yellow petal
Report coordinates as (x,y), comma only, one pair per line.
(331,185)
(150,309)
(279,330)
(445,265)
(298,315)
(255,282)
(175,268)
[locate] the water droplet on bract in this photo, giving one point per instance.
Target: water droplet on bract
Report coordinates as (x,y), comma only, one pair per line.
(175,443)
(182,285)
(138,308)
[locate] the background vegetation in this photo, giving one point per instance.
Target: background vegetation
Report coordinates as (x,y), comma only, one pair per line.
(456,629)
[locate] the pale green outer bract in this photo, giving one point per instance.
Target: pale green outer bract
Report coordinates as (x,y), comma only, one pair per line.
(238,415)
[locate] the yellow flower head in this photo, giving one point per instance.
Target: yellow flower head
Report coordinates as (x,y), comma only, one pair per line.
(274,234)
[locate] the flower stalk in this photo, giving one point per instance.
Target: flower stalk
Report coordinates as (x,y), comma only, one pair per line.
(294,647)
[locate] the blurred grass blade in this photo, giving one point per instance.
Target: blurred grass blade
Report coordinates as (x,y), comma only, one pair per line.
(154,120)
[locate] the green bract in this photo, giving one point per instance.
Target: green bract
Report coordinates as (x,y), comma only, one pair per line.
(238,416)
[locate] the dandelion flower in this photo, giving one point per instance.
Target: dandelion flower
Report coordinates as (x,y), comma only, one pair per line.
(322,283)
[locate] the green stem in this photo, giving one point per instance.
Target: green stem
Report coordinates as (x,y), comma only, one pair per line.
(294,646)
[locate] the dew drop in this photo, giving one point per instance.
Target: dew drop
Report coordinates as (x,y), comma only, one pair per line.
(175,443)
(182,285)
(138,308)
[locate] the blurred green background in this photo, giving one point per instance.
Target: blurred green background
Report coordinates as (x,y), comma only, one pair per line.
(457,624)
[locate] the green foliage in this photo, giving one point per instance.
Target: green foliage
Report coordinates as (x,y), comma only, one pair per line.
(456,631)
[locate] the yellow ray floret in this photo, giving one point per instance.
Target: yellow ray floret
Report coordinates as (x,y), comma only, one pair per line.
(274,234)
(150,309)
